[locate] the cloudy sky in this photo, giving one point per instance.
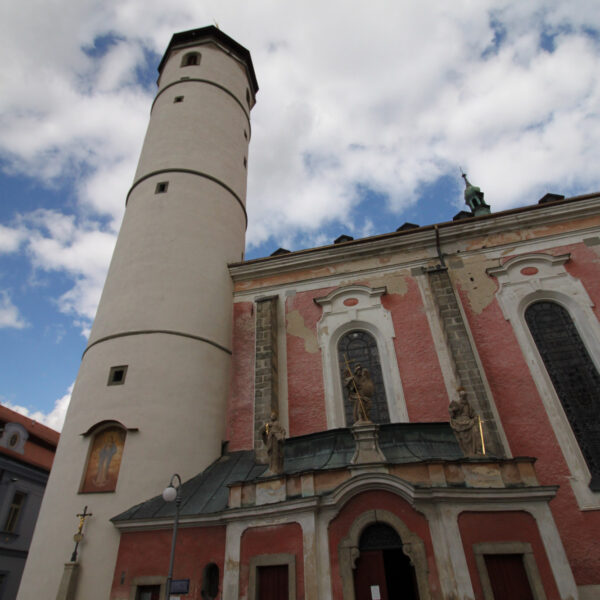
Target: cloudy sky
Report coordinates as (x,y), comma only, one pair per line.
(365,113)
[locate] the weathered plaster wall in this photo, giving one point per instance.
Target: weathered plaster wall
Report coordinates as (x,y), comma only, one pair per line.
(146,554)
(368,501)
(504,527)
(240,409)
(422,380)
(275,539)
(524,417)
(306,399)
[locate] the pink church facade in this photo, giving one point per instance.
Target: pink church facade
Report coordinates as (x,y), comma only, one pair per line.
(436,309)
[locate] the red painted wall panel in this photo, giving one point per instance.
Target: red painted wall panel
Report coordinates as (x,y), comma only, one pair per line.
(422,380)
(240,409)
(306,396)
(276,539)
(505,527)
(146,553)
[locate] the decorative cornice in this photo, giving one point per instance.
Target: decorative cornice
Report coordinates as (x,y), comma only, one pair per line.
(336,499)
(423,237)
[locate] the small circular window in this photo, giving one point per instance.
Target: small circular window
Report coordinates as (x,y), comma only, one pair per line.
(14,440)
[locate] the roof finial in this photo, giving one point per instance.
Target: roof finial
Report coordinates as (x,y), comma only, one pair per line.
(474,197)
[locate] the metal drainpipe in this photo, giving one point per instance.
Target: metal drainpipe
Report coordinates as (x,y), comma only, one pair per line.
(437,245)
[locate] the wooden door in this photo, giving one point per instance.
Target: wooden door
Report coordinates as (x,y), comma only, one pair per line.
(508,577)
(369,576)
(272,582)
(148,592)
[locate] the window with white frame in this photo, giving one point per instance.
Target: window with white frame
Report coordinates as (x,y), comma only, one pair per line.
(535,278)
(352,309)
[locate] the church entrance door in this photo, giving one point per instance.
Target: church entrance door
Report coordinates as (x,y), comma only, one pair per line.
(383,571)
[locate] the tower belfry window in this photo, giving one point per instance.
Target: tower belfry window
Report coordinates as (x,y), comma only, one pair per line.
(190,59)
(573,374)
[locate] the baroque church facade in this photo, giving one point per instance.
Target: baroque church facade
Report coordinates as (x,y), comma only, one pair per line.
(413,414)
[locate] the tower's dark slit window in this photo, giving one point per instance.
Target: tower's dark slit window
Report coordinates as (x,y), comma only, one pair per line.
(573,374)
(161,187)
(360,348)
(116,375)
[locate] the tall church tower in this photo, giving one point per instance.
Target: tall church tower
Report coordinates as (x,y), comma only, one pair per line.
(150,396)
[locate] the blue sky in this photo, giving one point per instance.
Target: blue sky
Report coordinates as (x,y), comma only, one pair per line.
(365,113)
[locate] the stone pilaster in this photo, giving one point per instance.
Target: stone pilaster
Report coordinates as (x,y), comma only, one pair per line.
(266,398)
(463,355)
(68,583)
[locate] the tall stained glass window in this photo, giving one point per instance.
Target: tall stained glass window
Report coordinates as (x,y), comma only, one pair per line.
(573,374)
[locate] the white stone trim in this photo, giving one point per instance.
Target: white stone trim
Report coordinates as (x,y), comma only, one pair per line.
(231,572)
(515,294)
(448,549)
(367,315)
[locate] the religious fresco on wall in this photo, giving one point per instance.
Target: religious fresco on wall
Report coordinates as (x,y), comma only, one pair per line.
(104,461)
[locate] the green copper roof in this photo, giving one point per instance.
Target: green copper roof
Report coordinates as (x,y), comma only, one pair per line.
(208,491)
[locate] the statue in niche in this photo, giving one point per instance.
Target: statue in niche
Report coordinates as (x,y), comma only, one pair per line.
(465,423)
(273,436)
(360,390)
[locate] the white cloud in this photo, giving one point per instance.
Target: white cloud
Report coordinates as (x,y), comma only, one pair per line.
(10,239)
(54,419)
(59,242)
(9,313)
(385,95)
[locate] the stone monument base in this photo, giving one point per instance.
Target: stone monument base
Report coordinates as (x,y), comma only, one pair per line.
(68,583)
(366,436)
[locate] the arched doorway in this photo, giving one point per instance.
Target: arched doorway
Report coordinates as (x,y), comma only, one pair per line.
(383,571)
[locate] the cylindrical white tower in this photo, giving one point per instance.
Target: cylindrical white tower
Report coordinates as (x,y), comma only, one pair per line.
(156,368)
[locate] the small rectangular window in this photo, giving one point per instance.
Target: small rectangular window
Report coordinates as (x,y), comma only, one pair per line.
(178,99)
(16,506)
(161,187)
(116,375)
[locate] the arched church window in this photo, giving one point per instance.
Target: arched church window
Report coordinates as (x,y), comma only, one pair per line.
(573,374)
(190,59)
(104,459)
(357,351)
(210,582)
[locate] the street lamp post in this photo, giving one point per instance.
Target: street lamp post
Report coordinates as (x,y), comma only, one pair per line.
(170,493)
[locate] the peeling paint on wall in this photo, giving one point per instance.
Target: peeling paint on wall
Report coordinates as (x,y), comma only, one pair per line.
(394,282)
(472,278)
(296,327)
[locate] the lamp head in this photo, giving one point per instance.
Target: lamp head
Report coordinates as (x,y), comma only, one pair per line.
(169,494)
